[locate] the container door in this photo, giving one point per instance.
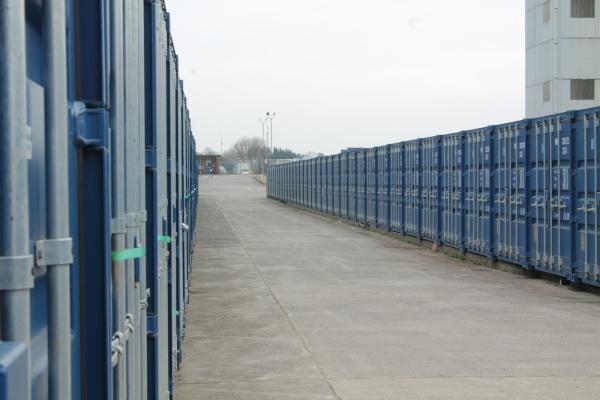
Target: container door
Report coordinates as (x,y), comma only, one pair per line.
(478,195)
(551,187)
(452,191)
(510,234)
(412,173)
(587,238)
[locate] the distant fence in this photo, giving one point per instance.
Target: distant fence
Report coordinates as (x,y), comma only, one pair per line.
(525,192)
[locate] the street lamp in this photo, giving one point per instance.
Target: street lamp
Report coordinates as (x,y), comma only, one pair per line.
(270,118)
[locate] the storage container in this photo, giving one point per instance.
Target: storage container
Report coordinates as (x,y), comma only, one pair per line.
(524,192)
(371,189)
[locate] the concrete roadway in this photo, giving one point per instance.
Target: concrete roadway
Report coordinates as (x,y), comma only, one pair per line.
(286,304)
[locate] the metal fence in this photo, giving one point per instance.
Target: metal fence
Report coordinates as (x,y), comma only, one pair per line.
(525,192)
(98,192)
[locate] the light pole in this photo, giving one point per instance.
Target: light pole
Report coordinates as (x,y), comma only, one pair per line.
(263,122)
(270,118)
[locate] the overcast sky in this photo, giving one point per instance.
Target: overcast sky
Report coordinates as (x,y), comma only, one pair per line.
(348,73)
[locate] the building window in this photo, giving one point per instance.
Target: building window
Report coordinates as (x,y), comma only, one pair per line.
(583,8)
(582,89)
(547,94)
(547,11)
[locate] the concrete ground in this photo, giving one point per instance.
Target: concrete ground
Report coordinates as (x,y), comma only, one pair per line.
(286,304)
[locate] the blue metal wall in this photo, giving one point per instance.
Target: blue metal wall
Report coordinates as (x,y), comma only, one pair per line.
(129,201)
(525,192)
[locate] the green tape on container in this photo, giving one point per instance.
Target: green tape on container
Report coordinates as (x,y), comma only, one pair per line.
(164,239)
(175,312)
(128,254)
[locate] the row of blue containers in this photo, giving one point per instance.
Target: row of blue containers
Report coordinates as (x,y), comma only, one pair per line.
(98,193)
(525,192)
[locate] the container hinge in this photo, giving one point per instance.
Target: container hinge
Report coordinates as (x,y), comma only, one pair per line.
(16,272)
(54,252)
(118,226)
(143,216)
(91,126)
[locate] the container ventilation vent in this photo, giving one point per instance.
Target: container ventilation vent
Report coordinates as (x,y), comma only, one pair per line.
(547,11)
(582,89)
(583,8)
(546,91)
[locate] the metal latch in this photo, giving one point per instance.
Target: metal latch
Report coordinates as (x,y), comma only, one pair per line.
(54,252)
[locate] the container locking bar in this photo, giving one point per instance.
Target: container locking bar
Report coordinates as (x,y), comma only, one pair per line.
(16,272)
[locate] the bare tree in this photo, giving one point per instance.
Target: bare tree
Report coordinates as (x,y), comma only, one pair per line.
(247,148)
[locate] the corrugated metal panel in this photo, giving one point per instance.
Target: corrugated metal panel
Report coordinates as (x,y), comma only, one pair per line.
(587,237)
(452,192)
(579,59)
(352,186)
(330,189)
(412,181)
(371,194)
(383,187)
(109,192)
(361,186)
(510,194)
(336,184)
(430,188)
(397,187)
(550,155)
(540,65)
(344,204)
(478,196)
